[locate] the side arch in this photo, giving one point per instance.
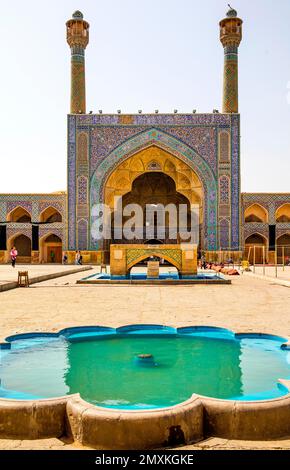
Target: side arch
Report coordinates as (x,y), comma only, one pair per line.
(282,214)
(157,254)
(50,215)
(19,214)
(50,247)
(179,150)
(23,243)
(260,242)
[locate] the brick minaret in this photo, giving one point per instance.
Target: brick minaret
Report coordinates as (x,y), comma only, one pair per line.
(77,35)
(231,36)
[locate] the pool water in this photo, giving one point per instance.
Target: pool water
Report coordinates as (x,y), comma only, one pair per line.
(108,373)
(173,276)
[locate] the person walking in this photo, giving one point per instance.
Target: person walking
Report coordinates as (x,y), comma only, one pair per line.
(13,255)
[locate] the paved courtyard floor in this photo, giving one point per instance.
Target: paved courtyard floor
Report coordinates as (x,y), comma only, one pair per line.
(249,304)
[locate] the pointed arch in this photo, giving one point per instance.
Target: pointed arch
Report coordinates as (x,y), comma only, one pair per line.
(256,213)
(50,215)
(282,214)
(50,247)
(158,255)
(22,242)
(258,236)
(283,239)
(260,242)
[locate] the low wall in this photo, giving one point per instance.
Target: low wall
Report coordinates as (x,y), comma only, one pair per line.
(260,420)
(32,419)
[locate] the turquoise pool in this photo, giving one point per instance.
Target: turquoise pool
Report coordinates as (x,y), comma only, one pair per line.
(103,365)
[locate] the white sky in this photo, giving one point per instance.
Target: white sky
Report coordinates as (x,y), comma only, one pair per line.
(162,54)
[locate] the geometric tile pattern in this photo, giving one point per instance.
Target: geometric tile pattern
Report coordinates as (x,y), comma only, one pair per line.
(235,182)
(224,147)
(224,184)
(34,204)
(82,234)
(82,190)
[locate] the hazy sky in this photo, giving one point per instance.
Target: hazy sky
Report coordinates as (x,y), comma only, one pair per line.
(143,54)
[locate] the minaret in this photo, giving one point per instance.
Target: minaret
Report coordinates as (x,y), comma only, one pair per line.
(77,35)
(231,36)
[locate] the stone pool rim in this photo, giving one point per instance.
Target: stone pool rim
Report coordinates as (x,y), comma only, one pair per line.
(187,422)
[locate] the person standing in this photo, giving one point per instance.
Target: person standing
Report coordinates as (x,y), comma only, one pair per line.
(13,255)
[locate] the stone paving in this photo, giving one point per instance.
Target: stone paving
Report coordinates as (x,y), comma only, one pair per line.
(249,304)
(36,273)
(270,271)
(280,276)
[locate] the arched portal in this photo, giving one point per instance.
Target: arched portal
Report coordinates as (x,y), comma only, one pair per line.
(153,191)
(19,215)
(50,247)
(22,244)
(155,257)
(155,150)
(153,175)
(256,247)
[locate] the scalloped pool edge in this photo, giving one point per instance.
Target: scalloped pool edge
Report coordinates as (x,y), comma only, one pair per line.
(185,423)
(85,333)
